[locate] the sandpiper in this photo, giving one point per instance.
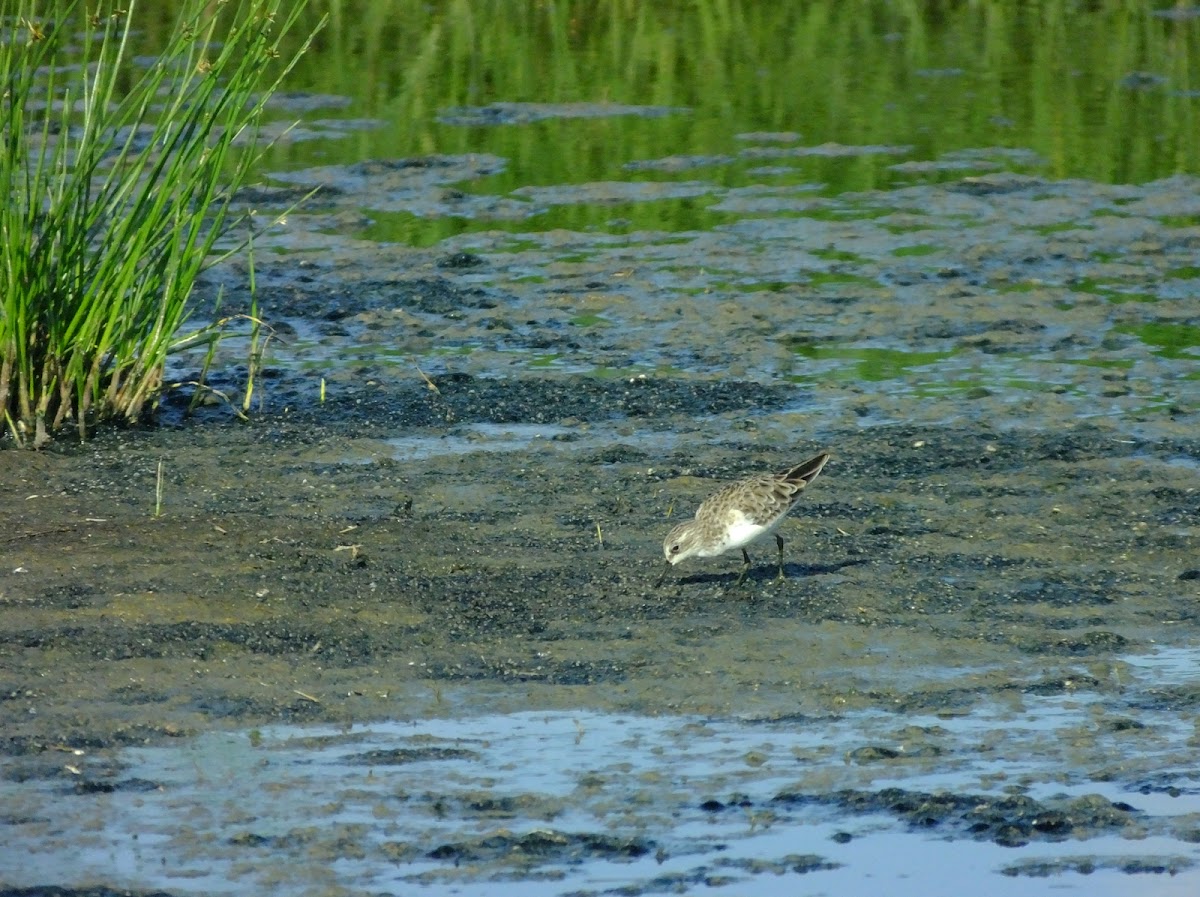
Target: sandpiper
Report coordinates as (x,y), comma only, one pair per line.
(736,515)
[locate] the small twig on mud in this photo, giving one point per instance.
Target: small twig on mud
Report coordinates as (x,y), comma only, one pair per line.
(307,697)
(158,490)
(429,383)
(36,533)
(203,388)
(447,411)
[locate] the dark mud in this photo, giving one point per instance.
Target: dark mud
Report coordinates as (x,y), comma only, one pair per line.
(1009,821)
(277,566)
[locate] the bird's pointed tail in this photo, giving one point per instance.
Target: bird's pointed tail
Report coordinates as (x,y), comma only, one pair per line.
(807,472)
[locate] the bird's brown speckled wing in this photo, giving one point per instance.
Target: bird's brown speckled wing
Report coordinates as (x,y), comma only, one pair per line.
(771,498)
(761,498)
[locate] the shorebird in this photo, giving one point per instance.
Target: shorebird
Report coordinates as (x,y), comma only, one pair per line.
(737,514)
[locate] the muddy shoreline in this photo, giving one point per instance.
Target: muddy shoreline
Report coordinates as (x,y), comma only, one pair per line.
(302,574)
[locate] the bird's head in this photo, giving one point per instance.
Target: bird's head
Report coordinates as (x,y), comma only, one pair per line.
(681,543)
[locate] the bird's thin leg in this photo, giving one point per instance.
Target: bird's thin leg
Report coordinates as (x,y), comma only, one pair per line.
(745,568)
(779,542)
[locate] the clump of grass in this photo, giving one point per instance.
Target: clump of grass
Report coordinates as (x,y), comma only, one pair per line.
(115,188)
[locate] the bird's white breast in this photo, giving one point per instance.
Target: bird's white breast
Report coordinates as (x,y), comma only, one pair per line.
(739,531)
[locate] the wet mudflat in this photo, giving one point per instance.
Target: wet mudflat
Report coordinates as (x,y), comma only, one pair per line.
(408,637)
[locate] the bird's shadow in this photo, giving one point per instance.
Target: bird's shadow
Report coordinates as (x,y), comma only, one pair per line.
(768,572)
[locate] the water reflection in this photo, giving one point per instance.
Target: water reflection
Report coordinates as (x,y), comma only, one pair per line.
(939,78)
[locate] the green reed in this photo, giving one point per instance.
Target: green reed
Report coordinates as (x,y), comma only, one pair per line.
(117,180)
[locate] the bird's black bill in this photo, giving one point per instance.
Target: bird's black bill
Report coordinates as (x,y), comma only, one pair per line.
(663,577)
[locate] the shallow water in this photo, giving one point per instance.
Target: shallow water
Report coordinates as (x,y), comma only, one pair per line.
(587,802)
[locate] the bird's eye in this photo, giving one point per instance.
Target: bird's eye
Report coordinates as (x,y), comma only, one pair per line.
(675,548)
